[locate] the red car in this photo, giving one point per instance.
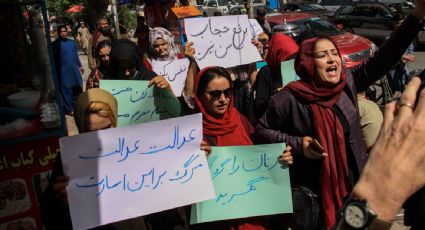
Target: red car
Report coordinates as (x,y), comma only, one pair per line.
(354,48)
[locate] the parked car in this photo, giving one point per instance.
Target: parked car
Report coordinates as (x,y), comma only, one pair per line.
(240,9)
(312,8)
(374,20)
(333,5)
(217,7)
(354,49)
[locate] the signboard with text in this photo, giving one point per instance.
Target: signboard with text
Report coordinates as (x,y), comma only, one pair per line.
(123,173)
(249,181)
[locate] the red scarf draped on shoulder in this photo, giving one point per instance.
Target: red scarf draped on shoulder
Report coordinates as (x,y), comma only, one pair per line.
(327,129)
(227,130)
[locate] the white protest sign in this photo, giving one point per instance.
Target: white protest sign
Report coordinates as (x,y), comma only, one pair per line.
(174,71)
(221,41)
(122,173)
(255,28)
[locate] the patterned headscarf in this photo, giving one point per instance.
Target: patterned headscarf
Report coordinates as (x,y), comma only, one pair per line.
(85,99)
(159,32)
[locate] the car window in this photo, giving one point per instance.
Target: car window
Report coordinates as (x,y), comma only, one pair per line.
(212,3)
(333,2)
(381,12)
(326,2)
(311,27)
(305,8)
(205,3)
(317,6)
(346,10)
(364,11)
(225,2)
(403,8)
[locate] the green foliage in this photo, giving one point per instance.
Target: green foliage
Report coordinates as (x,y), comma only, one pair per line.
(59,7)
(127,17)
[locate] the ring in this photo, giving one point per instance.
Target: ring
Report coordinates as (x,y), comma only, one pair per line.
(406,104)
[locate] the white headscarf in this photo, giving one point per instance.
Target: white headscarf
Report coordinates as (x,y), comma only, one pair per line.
(159,32)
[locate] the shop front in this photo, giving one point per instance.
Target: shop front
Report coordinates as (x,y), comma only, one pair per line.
(31,116)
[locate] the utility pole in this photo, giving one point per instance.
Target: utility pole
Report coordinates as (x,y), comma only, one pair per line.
(115,17)
(250,8)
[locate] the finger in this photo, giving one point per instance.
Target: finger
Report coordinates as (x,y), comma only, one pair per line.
(420,107)
(288,148)
(286,154)
(390,111)
(407,101)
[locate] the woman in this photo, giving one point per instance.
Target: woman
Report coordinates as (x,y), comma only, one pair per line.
(269,78)
(126,64)
(95,109)
(323,106)
(102,53)
(161,47)
(222,125)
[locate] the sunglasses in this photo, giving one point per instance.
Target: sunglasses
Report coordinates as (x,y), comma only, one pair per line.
(216,94)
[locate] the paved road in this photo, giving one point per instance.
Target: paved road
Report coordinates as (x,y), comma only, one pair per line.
(420,59)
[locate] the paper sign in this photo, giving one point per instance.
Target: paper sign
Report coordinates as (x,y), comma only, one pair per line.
(255,28)
(174,71)
(288,72)
(138,103)
(249,181)
(122,173)
(221,41)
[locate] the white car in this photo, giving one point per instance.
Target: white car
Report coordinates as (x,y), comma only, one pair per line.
(217,7)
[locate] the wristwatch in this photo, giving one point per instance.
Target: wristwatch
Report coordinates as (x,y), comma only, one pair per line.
(357,215)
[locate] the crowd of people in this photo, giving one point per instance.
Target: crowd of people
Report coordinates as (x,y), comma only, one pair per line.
(338,144)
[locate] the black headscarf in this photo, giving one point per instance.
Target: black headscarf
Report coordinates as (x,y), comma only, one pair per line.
(125,53)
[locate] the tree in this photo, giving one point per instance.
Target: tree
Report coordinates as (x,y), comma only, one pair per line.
(126,17)
(59,7)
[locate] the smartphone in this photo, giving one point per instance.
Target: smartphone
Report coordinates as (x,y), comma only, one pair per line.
(315,144)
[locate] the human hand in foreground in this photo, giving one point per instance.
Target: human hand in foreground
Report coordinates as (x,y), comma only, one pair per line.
(310,151)
(396,165)
(408,58)
(287,156)
(419,11)
(160,82)
(206,147)
(59,188)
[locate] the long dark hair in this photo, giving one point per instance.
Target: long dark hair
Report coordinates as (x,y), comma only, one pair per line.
(59,27)
(208,75)
(101,45)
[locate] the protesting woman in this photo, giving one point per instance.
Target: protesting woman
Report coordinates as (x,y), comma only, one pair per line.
(161,47)
(269,79)
(95,109)
(322,106)
(102,53)
(222,125)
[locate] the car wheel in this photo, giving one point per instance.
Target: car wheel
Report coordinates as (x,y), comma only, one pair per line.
(204,14)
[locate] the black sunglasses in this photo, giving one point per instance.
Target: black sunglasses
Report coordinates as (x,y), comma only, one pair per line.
(216,94)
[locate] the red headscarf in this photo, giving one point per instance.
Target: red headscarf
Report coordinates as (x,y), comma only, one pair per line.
(281,48)
(327,129)
(228,130)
